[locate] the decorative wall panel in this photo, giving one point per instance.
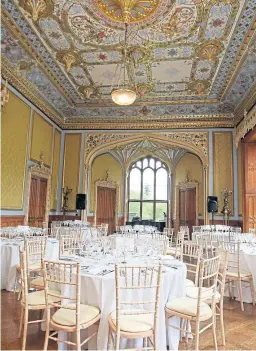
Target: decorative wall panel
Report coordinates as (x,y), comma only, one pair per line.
(223,166)
(15,129)
(240,179)
(99,167)
(193,165)
(250,186)
(55,169)
(72,167)
(41,141)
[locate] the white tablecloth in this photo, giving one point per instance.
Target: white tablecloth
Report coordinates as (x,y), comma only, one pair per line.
(248,264)
(10,257)
(100,291)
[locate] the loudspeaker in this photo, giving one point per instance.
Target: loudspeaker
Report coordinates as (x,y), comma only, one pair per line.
(80,201)
(212,204)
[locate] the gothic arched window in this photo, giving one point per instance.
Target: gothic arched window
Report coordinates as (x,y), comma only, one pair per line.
(148,189)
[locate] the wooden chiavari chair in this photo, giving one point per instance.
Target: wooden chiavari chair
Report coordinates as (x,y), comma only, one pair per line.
(34,249)
(176,250)
(185,229)
(71,316)
(235,274)
(130,320)
(70,246)
(192,292)
(191,256)
(31,301)
(197,310)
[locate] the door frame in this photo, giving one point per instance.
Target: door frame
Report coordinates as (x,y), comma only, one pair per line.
(42,172)
(183,186)
(110,184)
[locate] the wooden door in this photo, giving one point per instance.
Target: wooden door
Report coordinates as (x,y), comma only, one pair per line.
(106,208)
(249,208)
(37,201)
(187,207)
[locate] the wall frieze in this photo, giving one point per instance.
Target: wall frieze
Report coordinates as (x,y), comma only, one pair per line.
(90,125)
(248,123)
(196,142)
(246,104)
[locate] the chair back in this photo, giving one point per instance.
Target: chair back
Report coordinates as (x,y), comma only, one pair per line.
(66,277)
(160,243)
(70,245)
(185,229)
(35,249)
(233,248)
(222,271)
(138,291)
(24,277)
(207,281)
(191,255)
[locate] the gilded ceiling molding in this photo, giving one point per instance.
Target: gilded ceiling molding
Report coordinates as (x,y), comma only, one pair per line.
(248,123)
(27,90)
(90,125)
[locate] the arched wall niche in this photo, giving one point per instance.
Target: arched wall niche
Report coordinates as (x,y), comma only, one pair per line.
(101,143)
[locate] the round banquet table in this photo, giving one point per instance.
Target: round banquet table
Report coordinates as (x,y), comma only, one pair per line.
(98,290)
(10,258)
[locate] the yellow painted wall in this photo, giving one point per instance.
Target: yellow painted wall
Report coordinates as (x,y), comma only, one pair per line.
(41,141)
(240,179)
(99,167)
(55,169)
(15,129)
(194,166)
(72,166)
(223,166)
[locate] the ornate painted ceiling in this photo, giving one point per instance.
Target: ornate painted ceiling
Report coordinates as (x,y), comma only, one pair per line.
(192,62)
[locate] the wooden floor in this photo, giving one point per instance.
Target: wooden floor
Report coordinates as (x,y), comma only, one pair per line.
(240,328)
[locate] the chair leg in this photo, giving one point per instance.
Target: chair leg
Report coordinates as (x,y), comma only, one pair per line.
(21,320)
(239,283)
(229,289)
(222,324)
(109,338)
(25,329)
(252,292)
(197,336)
(117,341)
(155,341)
(78,340)
(46,337)
(214,329)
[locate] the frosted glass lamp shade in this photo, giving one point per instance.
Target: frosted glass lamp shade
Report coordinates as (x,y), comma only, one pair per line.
(123,97)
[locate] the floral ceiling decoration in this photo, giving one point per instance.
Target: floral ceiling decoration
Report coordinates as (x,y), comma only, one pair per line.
(65,53)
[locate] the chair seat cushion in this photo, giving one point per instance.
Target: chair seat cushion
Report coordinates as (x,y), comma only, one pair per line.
(38,282)
(189,283)
(38,297)
(134,323)
(67,317)
(192,293)
(187,306)
(235,274)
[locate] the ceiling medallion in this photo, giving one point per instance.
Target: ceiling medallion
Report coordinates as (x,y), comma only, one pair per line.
(128,11)
(68,58)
